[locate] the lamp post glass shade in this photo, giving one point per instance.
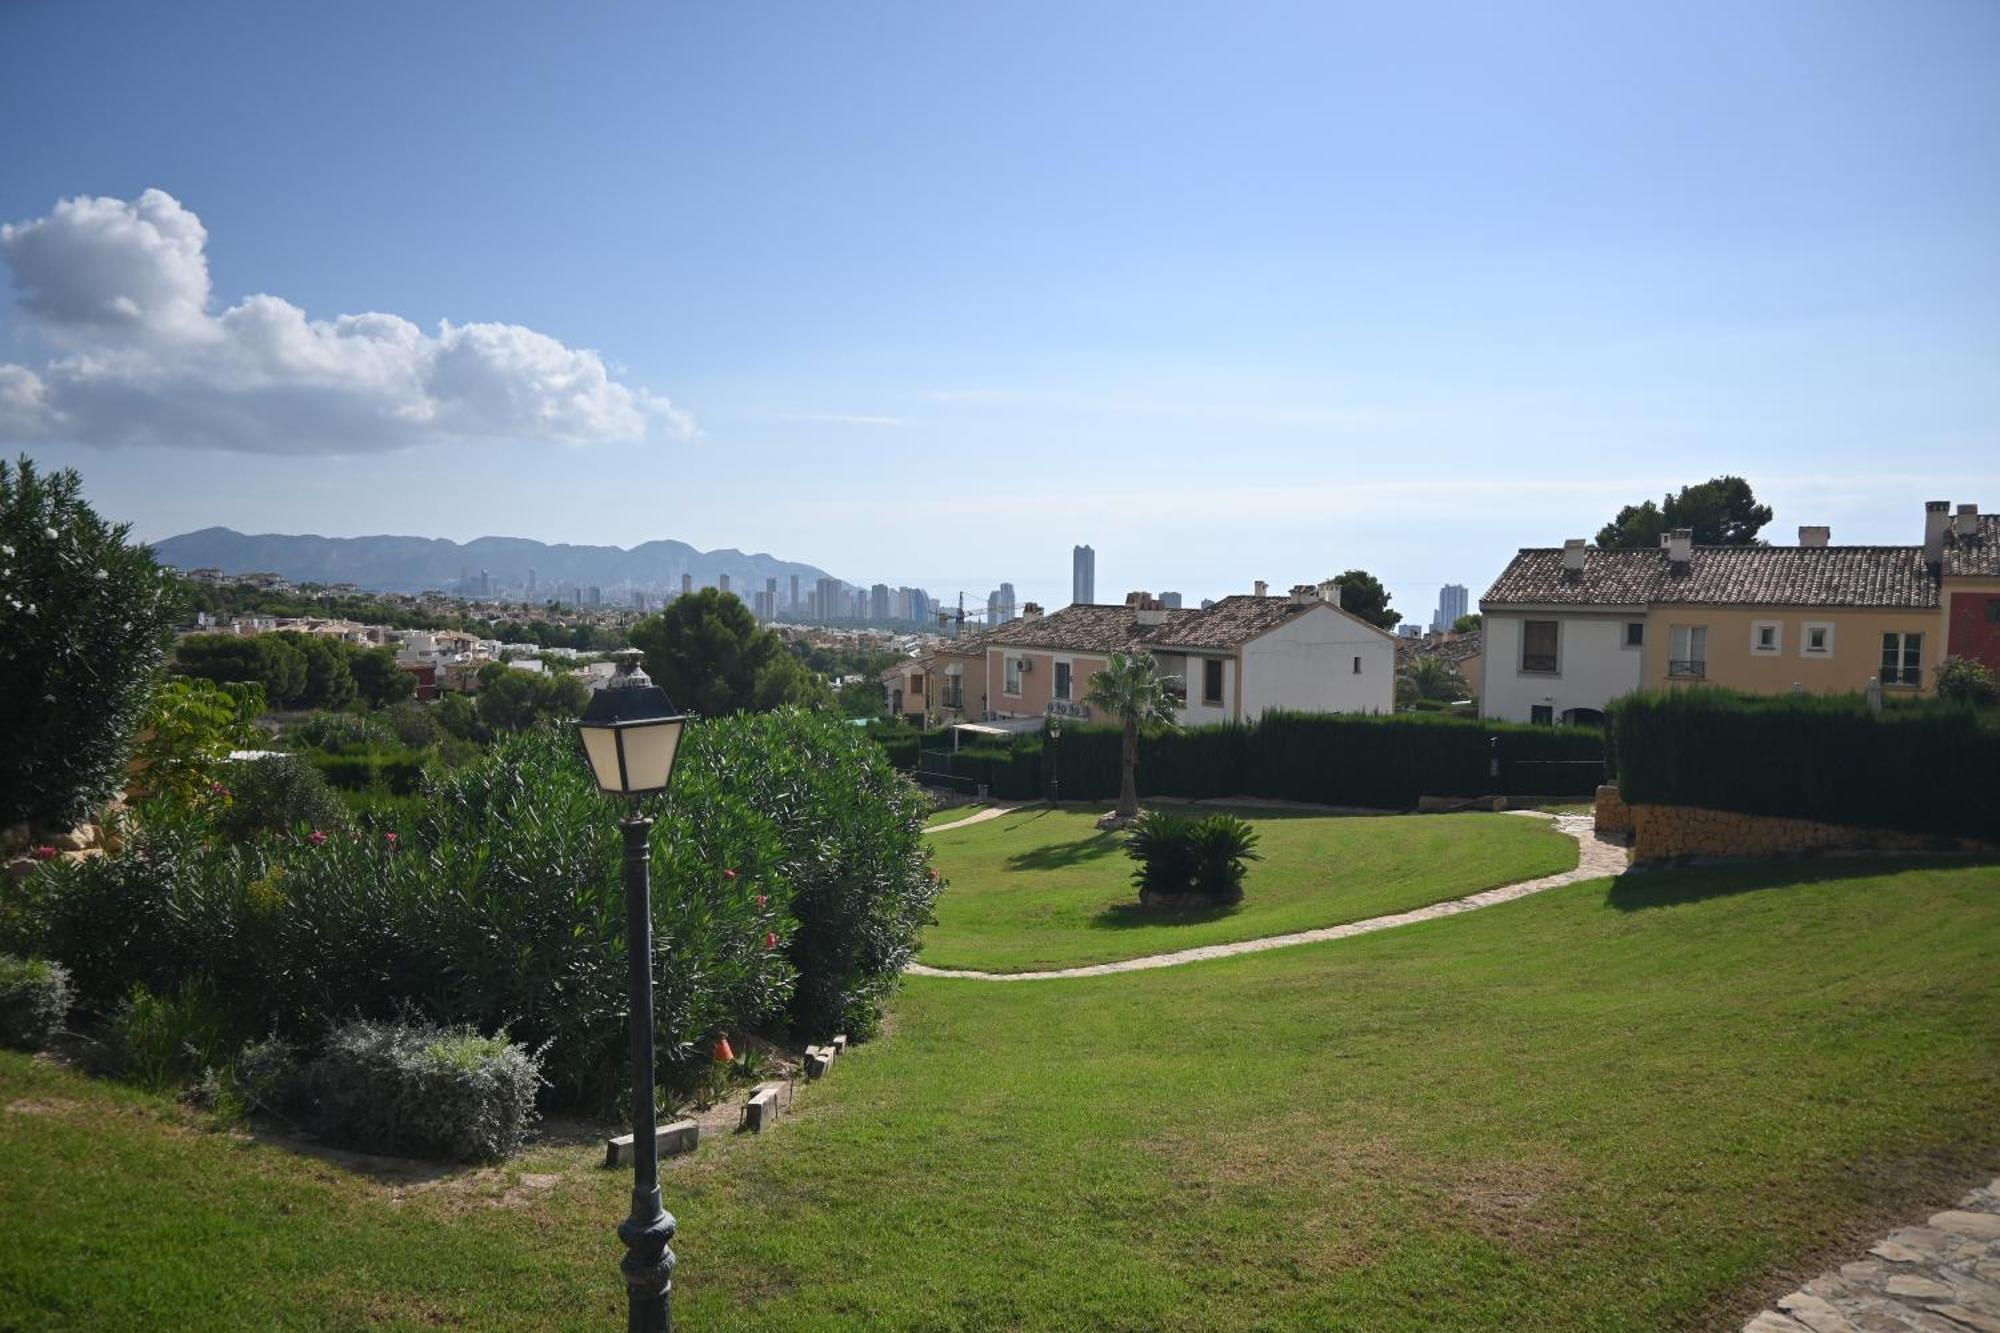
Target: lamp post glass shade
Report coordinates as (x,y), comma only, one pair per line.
(630,734)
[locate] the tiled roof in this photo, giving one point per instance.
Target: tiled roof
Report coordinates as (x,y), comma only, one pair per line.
(1084,628)
(1978,558)
(1456,650)
(1230,623)
(1723,576)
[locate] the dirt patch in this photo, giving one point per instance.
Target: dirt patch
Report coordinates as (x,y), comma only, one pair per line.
(41,1106)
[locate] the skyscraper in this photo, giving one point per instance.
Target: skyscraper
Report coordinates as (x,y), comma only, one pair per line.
(1083,575)
(687,584)
(1451,605)
(878,602)
(1171,600)
(722,583)
(794,603)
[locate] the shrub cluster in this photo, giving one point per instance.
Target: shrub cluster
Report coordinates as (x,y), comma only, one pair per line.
(429,1091)
(789,846)
(1927,766)
(1325,758)
(1181,858)
(34,1001)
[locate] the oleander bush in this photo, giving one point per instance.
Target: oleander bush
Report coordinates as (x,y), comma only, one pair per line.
(277,794)
(425,1090)
(34,1001)
(789,883)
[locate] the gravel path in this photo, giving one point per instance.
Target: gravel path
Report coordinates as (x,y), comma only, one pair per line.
(1596,858)
(1943,1276)
(990,812)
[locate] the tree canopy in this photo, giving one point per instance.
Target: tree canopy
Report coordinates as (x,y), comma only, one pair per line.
(84,624)
(712,657)
(1722,511)
(1362,594)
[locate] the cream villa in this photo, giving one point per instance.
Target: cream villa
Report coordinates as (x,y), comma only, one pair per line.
(1568,630)
(1235,660)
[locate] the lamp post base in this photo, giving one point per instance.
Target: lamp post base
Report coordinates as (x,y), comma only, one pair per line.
(648,1264)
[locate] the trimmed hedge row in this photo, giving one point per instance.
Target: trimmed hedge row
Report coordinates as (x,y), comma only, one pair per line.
(1325,758)
(1922,767)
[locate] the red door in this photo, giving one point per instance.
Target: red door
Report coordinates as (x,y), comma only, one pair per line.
(1975,627)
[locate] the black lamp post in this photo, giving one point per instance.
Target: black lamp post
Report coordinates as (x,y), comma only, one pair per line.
(630,735)
(1055,763)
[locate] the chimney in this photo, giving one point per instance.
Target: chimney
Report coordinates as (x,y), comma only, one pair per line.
(1031,611)
(1573,559)
(1680,550)
(1968,522)
(1149,613)
(1329,591)
(1261,588)
(1304,594)
(1937,517)
(1815,536)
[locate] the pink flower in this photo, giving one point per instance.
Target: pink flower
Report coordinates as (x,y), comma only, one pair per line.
(44,853)
(392,840)
(316,837)
(217,789)
(762,900)
(934,876)
(729,874)
(771,940)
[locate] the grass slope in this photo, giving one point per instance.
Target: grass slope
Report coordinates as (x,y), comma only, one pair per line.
(1043,888)
(1652,1107)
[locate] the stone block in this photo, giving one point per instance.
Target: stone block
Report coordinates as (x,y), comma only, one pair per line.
(682,1136)
(840,1044)
(819,1059)
(766,1104)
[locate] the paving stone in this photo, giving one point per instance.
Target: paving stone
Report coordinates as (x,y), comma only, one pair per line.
(681,1136)
(1816,1313)
(1919,1288)
(1976,1226)
(1899,1253)
(1769,1322)
(1973,1319)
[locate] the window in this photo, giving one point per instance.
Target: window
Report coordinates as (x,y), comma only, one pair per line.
(1687,652)
(1903,659)
(1015,666)
(916,683)
(1816,639)
(1357,666)
(1062,680)
(1211,681)
(1635,634)
(1542,715)
(1538,645)
(954,692)
(1993,610)
(1767,637)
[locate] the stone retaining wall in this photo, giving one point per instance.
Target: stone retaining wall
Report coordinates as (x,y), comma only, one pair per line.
(1614,817)
(1665,832)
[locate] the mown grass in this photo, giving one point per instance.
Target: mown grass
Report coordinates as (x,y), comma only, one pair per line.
(1043,888)
(950,813)
(1649,1106)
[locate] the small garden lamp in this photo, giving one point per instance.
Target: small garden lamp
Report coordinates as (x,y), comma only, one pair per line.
(1055,762)
(631,735)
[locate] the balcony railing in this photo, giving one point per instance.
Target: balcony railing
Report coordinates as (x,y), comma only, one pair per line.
(1687,668)
(1545,662)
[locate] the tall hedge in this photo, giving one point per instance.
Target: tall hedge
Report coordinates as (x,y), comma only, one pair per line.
(1921,767)
(1324,758)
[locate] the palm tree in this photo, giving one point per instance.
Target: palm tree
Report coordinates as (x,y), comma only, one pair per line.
(1431,677)
(1132,690)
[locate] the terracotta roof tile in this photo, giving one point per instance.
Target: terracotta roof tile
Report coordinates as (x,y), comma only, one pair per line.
(1723,576)
(1230,623)
(1083,628)
(1977,557)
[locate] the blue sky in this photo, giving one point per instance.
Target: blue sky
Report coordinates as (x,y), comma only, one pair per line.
(927,293)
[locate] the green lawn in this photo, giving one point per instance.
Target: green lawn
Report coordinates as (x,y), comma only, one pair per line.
(949,813)
(1043,888)
(1654,1106)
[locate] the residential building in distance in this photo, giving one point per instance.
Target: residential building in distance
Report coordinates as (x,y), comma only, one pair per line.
(1567,630)
(793,605)
(1082,576)
(1234,661)
(1451,605)
(878,602)
(687,584)
(1171,600)
(722,583)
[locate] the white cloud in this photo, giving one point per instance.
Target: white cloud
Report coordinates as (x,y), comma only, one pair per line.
(120,290)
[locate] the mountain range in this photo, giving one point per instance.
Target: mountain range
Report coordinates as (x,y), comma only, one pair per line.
(413,564)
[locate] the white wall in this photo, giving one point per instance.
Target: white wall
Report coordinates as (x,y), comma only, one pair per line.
(1307,664)
(1189,668)
(1593,665)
